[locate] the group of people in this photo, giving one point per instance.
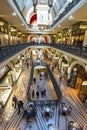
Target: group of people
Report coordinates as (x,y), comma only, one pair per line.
(37,93)
(19,103)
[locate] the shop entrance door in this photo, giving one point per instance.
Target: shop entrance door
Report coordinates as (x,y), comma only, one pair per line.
(78,82)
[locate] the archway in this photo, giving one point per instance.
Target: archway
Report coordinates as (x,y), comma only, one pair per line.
(72,65)
(78,76)
(63,65)
(46,38)
(33,38)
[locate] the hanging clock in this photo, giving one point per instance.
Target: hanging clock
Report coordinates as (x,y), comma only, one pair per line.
(42,18)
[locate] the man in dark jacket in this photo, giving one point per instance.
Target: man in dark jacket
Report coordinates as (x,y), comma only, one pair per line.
(14,101)
(20,105)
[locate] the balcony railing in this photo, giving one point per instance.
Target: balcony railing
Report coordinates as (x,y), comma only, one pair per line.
(80,51)
(8,51)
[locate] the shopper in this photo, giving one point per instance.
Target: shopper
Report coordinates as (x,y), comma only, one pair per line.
(70,110)
(33,93)
(44,92)
(60,76)
(37,94)
(14,101)
(20,105)
(52,68)
(34,80)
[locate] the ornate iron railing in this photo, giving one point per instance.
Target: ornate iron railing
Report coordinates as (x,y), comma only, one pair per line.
(8,51)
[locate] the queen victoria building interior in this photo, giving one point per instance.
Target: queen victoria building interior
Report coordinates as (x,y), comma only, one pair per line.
(43,64)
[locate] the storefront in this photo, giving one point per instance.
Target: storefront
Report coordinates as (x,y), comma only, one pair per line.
(64,67)
(9,75)
(16,69)
(5,85)
(55,60)
(79,76)
(83,91)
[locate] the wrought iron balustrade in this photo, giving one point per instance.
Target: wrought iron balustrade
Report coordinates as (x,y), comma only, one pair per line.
(8,51)
(80,51)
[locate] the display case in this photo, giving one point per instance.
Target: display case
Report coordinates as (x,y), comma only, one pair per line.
(83,91)
(18,69)
(5,91)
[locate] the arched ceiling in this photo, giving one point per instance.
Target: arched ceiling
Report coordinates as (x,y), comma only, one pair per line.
(55,7)
(45,12)
(23,8)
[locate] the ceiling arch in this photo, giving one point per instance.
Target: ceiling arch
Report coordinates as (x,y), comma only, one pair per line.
(33,19)
(46,38)
(34,37)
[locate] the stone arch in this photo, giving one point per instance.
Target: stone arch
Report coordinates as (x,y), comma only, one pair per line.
(66,57)
(72,65)
(30,37)
(46,38)
(29,12)
(33,19)
(60,60)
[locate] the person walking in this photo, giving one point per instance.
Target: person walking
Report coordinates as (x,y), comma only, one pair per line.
(52,68)
(60,76)
(14,101)
(42,93)
(33,93)
(34,80)
(37,93)
(20,105)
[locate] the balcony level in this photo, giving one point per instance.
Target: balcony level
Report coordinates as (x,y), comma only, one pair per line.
(7,53)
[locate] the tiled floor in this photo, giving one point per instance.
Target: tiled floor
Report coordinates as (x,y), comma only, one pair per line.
(21,88)
(44,84)
(20,91)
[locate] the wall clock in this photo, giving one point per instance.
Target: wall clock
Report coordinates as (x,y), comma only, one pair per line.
(42,18)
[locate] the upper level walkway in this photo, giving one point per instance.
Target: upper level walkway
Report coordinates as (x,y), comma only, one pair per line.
(11,52)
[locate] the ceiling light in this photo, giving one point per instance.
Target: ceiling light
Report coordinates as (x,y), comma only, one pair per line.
(22,24)
(83,26)
(54,35)
(71,17)
(14,14)
(1,23)
(13,29)
(23,35)
(59,25)
(35,27)
(19,33)
(69,1)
